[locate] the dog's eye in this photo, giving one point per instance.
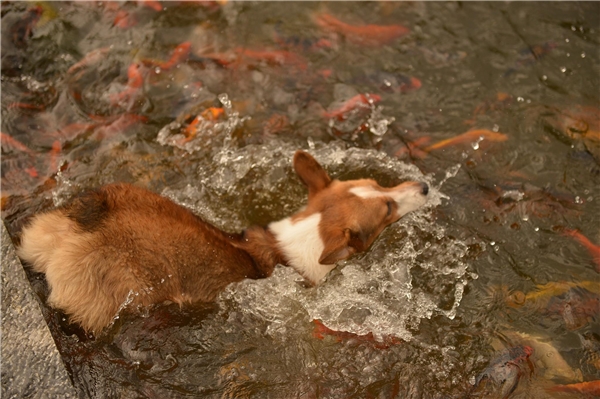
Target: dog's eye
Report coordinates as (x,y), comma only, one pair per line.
(389,207)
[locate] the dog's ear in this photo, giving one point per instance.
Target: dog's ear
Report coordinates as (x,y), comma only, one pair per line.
(310,172)
(337,248)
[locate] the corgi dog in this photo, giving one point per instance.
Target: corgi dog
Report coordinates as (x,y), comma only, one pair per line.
(123,244)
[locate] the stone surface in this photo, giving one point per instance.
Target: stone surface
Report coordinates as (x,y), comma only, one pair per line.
(31,366)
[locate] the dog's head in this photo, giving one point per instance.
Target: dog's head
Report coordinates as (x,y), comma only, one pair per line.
(341,218)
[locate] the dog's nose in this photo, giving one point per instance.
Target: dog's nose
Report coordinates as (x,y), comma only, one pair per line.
(424,188)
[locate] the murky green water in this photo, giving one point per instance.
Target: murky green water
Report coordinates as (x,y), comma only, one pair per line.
(94,93)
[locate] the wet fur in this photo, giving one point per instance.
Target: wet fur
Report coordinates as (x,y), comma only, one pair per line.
(123,243)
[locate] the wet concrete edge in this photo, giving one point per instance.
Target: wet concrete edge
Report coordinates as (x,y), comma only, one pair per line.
(30,364)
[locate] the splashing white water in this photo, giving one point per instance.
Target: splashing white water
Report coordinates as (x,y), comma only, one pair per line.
(375,292)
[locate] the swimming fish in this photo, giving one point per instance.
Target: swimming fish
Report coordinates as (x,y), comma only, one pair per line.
(179,55)
(593,249)
(469,137)
(589,388)
(363,34)
(320,331)
(505,369)
(358,101)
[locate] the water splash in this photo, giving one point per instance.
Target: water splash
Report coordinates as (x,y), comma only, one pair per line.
(381,291)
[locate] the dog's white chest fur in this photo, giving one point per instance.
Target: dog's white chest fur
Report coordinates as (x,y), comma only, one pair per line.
(302,245)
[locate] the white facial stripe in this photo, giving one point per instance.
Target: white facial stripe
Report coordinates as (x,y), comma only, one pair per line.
(408,198)
(302,245)
(367,192)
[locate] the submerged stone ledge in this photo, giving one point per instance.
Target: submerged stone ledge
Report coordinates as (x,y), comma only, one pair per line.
(31,366)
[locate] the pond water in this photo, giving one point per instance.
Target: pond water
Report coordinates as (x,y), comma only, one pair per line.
(490,291)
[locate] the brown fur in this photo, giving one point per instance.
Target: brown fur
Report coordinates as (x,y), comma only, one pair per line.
(121,243)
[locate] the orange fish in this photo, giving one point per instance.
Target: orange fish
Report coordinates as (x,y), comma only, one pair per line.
(72,130)
(10,143)
(54,153)
(278,57)
(592,248)
(124,20)
(587,388)
(155,5)
(365,34)
(320,331)
(358,101)
(470,136)
(209,114)
(118,125)
(179,55)
(135,81)
(90,58)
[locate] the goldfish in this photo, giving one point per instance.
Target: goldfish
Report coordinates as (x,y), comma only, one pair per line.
(90,58)
(72,131)
(118,125)
(470,136)
(135,81)
(543,293)
(505,369)
(592,248)
(278,57)
(358,101)
(10,143)
(320,331)
(364,34)
(155,5)
(413,148)
(209,114)
(179,55)
(123,19)
(276,124)
(587,388)
(54,153)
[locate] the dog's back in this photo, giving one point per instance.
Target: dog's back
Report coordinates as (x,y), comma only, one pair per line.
(122,241)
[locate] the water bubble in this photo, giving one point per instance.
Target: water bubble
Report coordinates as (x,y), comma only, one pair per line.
(568,54)
(544,77)
(578,200)
(525,218)
(536,229)
(563,69)
(567,40)
(157,70)
(520,99)
(582,55)
(496,128)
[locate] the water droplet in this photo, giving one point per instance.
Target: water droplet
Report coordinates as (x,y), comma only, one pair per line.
(544,77)
(157,70)
(493,243)
(537,229)
(563,69)
(567,40)
(582,55)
